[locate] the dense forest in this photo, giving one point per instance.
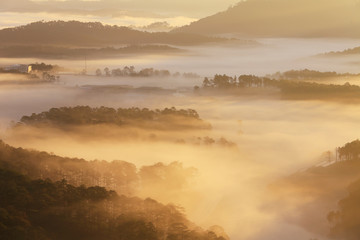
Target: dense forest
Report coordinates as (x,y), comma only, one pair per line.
(168,118)
(50,197)
(289,89)
(118,175)
(134,124)
(43,209)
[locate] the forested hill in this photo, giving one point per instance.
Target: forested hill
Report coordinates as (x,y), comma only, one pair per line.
(166,119)
(43,210)
(332,192)
(283,18)
(348,52)
(124,177)
(75,33)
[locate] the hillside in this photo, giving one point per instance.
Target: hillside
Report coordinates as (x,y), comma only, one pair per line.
(345,219)
(45,209)
(95,34)
(124,177)
(283,18)
(317,191)
(346,53)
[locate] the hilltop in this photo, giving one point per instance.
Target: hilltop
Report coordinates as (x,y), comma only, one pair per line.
(283,18)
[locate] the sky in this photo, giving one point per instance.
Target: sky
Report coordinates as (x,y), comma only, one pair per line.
(119,12)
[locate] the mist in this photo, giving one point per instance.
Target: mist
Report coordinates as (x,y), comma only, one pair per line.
(273,138)
(261,57)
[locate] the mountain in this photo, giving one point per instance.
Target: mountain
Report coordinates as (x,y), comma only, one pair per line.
(346,53)
(283,18)
(95,34)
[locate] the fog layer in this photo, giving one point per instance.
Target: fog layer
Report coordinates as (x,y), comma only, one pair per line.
(274,138)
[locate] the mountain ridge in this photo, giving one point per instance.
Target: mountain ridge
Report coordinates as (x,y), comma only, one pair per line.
(268,18)
(76,33)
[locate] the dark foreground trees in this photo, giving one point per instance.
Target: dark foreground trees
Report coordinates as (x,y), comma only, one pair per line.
(346,220)
(42,209)
(43,196)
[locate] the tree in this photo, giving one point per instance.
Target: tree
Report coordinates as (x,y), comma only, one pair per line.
(98,72)
(206,83)
(351,151)
(107,72)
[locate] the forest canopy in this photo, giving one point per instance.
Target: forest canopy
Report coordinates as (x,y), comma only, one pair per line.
(42,209)
(168,118)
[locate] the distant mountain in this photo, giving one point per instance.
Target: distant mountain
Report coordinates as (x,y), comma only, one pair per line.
(95,34)
(155,27)
(348,52)
(283,18)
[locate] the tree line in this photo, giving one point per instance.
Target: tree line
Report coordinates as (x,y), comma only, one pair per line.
(124,177)
(350,151)
(288,88)
(307,74)
(129,71)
